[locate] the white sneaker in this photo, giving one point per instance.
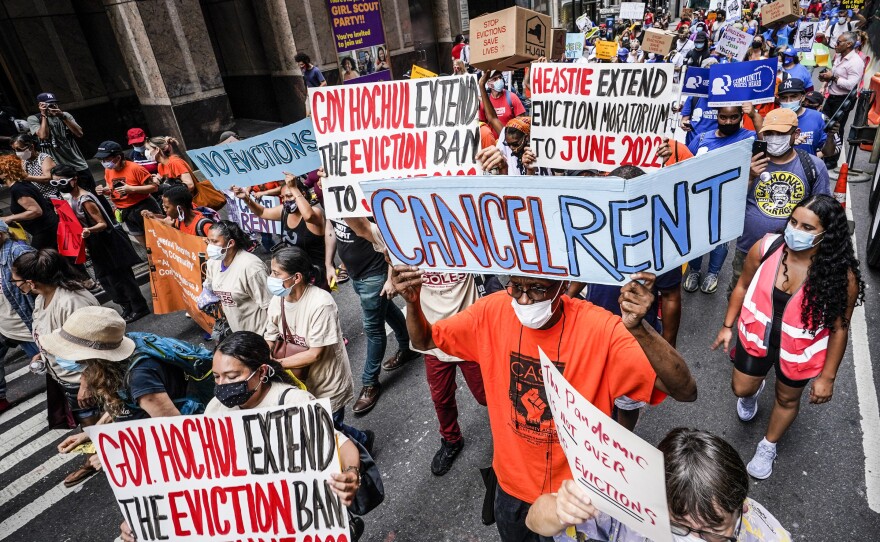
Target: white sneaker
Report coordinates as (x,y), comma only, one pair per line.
(761,465)
(747,407)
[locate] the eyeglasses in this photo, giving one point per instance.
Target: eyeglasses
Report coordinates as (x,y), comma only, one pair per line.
(708,536)
(60,182)
(535,293)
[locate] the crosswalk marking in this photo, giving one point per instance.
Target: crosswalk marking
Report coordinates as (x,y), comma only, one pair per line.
(20,433)
(11,525)
(30,449)
(28,480)
(21,372)
(22,407)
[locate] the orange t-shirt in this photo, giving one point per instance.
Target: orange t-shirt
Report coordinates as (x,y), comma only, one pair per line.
(680,152)
(132,174)
(191,227)
(487,136)
(592,347)
(175,167)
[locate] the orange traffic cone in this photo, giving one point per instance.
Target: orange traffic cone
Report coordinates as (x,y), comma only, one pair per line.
(840,187)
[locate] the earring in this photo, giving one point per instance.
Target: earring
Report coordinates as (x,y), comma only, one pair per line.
(264,379)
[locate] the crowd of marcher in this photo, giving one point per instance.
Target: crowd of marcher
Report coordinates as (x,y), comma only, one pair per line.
(795,281)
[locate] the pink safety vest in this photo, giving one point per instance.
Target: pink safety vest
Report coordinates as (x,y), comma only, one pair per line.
(801,354)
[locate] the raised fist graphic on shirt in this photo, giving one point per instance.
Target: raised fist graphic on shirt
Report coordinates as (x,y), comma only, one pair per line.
(535,406)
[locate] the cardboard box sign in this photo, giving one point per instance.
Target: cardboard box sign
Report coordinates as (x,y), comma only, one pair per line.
(780,11)
(658,41)
(509,39)
(557,44)
(687,12)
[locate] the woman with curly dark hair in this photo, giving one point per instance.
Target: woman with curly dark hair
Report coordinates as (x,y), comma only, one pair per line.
(792,306)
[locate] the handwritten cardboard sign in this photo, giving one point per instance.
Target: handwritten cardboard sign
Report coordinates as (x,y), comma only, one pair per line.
(418,72)
(242,215)
(574,45)
(421,127)
(606,50)
(738,82)
(634,11)
(261,158)
(600,115)
(623,475)
(596,230)
(734,43)
(176,261)
(249,474)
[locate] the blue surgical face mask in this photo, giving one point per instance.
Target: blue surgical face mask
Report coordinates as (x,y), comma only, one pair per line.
(794,106)
(139,148)
(798,240)
(699,46)
(275,285)
(69,365)
(498,85)
(108,164)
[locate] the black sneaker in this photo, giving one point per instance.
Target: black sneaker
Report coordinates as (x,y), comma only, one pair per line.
(356,528)
(371,439)
(445,456)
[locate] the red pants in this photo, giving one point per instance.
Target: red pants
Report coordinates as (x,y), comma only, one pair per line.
(441,381)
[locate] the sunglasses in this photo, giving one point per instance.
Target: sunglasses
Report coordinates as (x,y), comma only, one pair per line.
(61,182)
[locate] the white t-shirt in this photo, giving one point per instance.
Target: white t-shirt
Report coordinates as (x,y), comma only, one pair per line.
(242,291)
(51,317)
(313,321)
(11,324)
(272,398)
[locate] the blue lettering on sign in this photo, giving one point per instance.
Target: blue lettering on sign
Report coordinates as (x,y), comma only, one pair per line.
(713,186)
(677,228)
(509,260)
(453,229)
(515,205)
(428,232)
(578,235)
(379,199)
(621,240)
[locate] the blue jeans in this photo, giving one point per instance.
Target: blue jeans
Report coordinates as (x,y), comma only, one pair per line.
(377,310)
(347,430)
(716,260)
(30,349)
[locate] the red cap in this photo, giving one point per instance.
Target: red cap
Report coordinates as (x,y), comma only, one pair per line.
(136,135)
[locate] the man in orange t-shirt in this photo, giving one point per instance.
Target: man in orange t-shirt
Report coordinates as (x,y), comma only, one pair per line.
(604,356)
(128,187)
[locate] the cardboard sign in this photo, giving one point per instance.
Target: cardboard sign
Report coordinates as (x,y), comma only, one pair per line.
(658,41)
(696,82)
(395,129)
(509,39)
(780,11)
(418,72)
(360,40)
(852,4)
(634,11)
(241,214)
(733,9)
(574,45)
(261,158)
(176,263)
(623,475)
(687,13)
(738,82)
(805,35)
(245,475)
(597,230)
(606,50)
(734,43)
(600,115)
(558,38)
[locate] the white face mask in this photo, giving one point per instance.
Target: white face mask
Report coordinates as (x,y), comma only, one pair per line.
(24,155)
(216,253)
(777,145)
(150,154)
(537,313)
(180,214)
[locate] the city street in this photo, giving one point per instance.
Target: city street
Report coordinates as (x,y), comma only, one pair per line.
(818,489)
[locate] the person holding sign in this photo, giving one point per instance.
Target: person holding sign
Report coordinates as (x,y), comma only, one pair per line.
(494,96)
(707,489)
(603,356)
(791,307)
(177,202)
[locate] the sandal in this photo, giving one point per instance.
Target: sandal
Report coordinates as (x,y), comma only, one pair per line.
(341,274)
(80,475)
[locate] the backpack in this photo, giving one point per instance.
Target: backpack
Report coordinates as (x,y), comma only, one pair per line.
(809,167)
(195,362)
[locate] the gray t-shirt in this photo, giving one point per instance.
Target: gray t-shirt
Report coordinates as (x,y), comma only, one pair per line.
(60,145)
(769,203)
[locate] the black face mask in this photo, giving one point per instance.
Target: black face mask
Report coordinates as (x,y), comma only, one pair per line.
(728,129)
(290,206)
(65,188)
(234,394)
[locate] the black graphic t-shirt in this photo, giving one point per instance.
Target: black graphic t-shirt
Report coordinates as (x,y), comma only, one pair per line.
(360,258)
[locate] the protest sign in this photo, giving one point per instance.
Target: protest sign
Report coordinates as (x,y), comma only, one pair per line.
(241,214)
(597,230)
(738,82)
(658,41)
(509,39)
(176,260)
(600,115)
(557,43)
(360,40)
(256,475)
(574,45)
(734,43)
(780,12)
(395,129)
(623,475)
(634,11)
(805,35)
(606,50)
(261,158)
(418,72)
(733,10)
(696,82)
(852,4)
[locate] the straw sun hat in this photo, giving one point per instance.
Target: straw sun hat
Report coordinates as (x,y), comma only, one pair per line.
(90,333)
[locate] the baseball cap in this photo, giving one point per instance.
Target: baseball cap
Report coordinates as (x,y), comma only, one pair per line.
(814,98)
(136,135)
(791,85)
(47,97)
(780,120)
(228,134)
(107,148)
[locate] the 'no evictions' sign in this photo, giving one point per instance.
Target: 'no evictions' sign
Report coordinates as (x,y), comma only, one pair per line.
(596,230)
(262,158)
(255,476)
(600,116)
(394,129)
(623,475)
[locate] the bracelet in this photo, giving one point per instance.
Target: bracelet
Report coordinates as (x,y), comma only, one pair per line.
(727,326)
(352,467)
